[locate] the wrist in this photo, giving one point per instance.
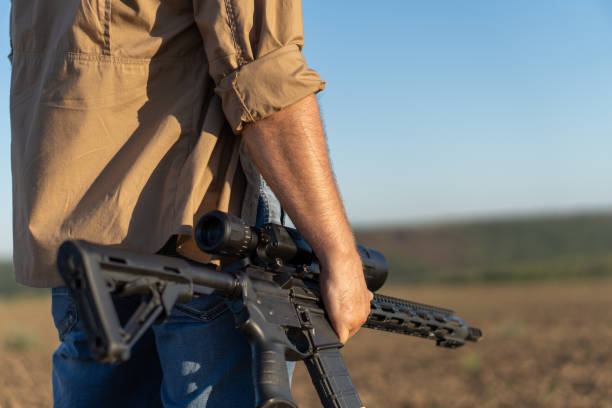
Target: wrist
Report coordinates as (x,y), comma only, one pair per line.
(335,249)
(339,259)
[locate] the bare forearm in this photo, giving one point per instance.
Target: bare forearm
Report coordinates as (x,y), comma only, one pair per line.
(290,151)
(289,148)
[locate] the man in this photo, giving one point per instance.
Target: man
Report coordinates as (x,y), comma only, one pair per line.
(133,118)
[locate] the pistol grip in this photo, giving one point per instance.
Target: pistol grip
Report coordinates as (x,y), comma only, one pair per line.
(270,376)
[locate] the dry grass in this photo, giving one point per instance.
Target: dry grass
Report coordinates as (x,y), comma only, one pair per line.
(27,339)
(546,345)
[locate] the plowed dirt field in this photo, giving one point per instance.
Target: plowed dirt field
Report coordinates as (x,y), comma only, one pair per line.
(546,345)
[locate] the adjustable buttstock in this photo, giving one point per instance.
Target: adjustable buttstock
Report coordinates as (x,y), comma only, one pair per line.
(95,273)
(94,302)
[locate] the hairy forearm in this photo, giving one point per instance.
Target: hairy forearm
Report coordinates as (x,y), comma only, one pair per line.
(290,150)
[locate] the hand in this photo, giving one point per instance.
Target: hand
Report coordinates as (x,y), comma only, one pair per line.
(345,294)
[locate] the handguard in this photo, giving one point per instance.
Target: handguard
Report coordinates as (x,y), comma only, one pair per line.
(416,319)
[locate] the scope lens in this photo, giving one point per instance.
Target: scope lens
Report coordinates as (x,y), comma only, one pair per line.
(212,232)
(224,234)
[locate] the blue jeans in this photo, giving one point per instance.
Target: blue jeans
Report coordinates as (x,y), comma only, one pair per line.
(268,206)
(196,359)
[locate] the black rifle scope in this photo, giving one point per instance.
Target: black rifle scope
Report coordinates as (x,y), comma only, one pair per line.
(225,234)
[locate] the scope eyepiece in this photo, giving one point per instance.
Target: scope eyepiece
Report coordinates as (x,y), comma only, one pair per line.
(224,234)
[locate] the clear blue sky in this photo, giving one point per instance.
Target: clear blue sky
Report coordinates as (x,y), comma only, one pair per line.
(439,109)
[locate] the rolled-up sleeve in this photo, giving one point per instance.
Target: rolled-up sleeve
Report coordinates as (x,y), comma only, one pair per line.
(254,49)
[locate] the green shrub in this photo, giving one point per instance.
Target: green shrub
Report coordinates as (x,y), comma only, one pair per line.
(20,341)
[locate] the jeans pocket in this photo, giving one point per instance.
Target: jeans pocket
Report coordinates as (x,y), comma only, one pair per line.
(205,309)
(64,311)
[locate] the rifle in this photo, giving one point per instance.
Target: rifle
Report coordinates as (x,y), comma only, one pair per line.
(272,290)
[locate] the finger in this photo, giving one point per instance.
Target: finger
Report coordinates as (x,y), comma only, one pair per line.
(343,335)
(353,332)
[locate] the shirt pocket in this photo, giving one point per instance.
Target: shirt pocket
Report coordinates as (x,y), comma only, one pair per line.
(61,26)
(91,28)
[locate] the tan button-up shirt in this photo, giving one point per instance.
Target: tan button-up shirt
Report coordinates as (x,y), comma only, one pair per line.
(126,117)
